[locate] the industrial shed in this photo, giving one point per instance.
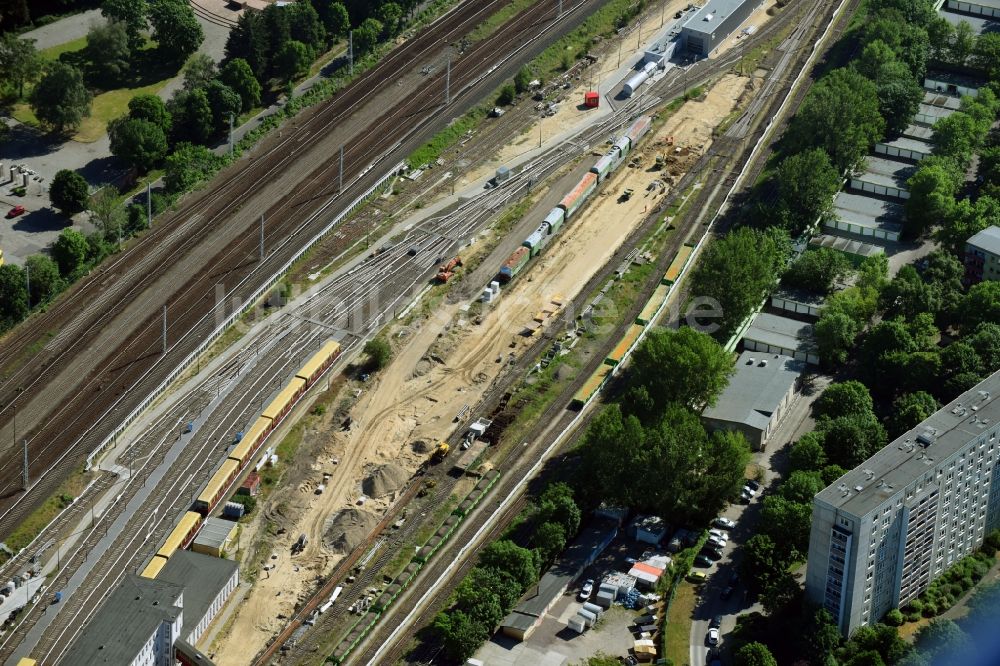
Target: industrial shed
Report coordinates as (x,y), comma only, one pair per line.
(709,27)
(885,178)
(215,538)
(989,8)
(756,398)
(798,302)
(865,216)
(772,334)
(904,148)
(950,83)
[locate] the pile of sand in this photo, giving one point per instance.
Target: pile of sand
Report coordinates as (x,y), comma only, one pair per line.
(384,480)
(348,529)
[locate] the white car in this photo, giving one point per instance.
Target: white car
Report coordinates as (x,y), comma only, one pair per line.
(724,523)
(587,588)
(713,636)
(718,534)
(716,542)
(747,489)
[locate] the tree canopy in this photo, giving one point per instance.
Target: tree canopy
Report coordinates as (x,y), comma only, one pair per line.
(699,367)
(818,270)
(807,183)
(19,61)
(69,192)
(60,99)
(139,142)
(175,28)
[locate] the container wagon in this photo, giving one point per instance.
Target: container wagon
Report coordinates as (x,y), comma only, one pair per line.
(592,386)
(283,402)
(639,129)
(181,536)
(252,439)
(555,219)
(320,361)
(535,242)
(633,333)
(624,146)
(515,262)
(653,304)
(603,167)
(216,487)
(572,201)
(678,264)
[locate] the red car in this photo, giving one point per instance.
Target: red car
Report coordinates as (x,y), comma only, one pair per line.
(15,211)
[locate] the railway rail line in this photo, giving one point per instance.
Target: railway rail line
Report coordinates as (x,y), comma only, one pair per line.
(125,288)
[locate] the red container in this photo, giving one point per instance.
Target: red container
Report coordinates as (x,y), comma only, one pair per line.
(591,100)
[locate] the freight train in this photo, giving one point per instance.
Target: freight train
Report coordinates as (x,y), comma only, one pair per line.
(248,445)
(574,199)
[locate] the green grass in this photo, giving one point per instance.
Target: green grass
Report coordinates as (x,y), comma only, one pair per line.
(43,515)
(677,633)
(108,106)
(53,52)
(433,149)
(506,13)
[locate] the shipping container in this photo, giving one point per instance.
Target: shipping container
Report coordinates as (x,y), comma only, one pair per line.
(182,534)
(285,399)
(572,201)
(216,487)
(515,262)
(603,168)
(252,439)
(639,129)
(587,616)
(233,510)
(154,567)
(555,219)
(319,362)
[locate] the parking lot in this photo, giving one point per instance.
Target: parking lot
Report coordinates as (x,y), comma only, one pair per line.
(37,227)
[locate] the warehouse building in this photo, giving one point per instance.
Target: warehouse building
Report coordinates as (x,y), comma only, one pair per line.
(982,256)
(755,400)
(207,581)
(708,28)
(771,334)
(215,538)
(882,532)
(884,178)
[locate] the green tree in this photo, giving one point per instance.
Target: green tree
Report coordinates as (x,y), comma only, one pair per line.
(224,102)
(700,367)
(835,333)
(823,636)
(391,16)
(140,143)
(763,562)
(175,28)
(985,339)
(506,95)
(986,55)
(909,410)
(738,270)
(366,36)
(192,114)
(498,582)
(801,486)
(844,399)
(818,270)
(237,75)
(549,539)
(909,42)
(132,14)
(899,96)
(788,521)
(19,61)
(962,43)
(14,12)
(108,50)
(13,296)
(807,183)
(522,80)
(248,40)
(199,71)
(61,100)
(151,109)
(292,61)
(979,306)
(519,563)
(940,637)
(187,166)
(917,12)
(334,17)
(907,295)
(460,635)
(850,440)
(840,115)
(70,251)
(45,280)
(107,212)
(69,192)
(304,25)
(965,219)
(957,136)
(754,654)
(557,505)
(807,453)
(932,195)
(379,353)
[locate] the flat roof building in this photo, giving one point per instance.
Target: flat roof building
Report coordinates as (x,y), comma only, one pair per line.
(882,532)
(797,301)
(208,581)
(708,28)
(757,396)
(215,537)
(904,148)
(771,334)
(982,256)
(884,178)
(988,8)
(856,250)
(950,83)
(866,217)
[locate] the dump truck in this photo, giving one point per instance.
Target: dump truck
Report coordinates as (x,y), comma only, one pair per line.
(440,452)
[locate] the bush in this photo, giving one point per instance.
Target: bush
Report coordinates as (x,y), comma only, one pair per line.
(913,617)
(506,96)
(379,353)
(894,618)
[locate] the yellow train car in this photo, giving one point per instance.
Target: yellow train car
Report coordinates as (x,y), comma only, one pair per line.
(591,386)
(678,264)
(653,304)
(252,438)
(23,661)
(319,362)
(154,567)
(284,400)
(216,487)
(633,333)
(182,534)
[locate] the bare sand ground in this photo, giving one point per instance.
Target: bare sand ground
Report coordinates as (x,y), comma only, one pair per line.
(442,362)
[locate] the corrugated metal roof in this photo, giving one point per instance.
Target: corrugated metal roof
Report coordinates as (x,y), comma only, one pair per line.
(987,240)
(754,390)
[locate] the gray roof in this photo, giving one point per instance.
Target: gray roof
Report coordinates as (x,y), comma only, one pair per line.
(719,9)
(915,453)
(191,653)
(951,77)
(889,173)
(756,388)
(867,211)
(126,621)
(942,101)
(987,240)
(846,245)
(909,143)
(215,532)
(202,576)
(980,24)
(799,296)
(921,132)
(781,332)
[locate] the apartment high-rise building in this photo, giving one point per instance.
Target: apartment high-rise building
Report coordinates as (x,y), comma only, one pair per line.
(883,531)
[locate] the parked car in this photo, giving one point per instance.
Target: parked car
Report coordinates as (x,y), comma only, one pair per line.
(702,561)
(587,589)
(746,495)
(713,636)
(734,579)
(714,554)
(724,523)
(716,542)
(15,211)
(697,577)
(753,485)
(718,533)
(715,622)
(727,592)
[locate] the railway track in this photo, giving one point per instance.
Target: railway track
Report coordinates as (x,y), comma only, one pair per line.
(133,369)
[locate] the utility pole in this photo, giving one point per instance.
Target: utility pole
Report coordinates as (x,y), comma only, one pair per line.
(230,135)
(262,237)
(638,36)
(559,15)
(350,53)
(149,205)
(619,54)
(539,133)
(340,187)
(447,83)
(27,282)
(164,329)
(663,11)
(24,474)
